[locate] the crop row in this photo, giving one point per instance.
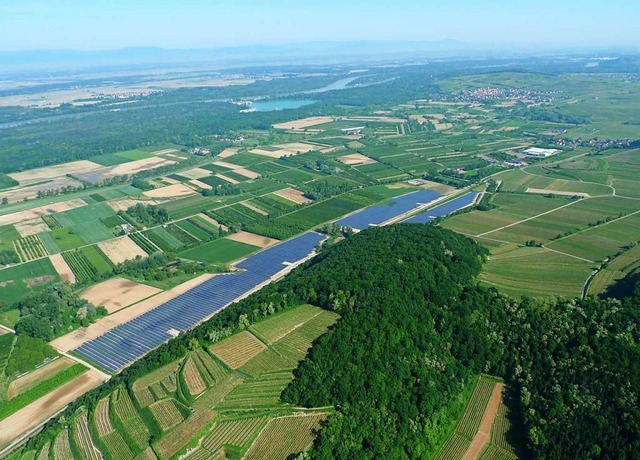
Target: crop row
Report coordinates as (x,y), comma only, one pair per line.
(117,446)
(501,427)
(142,241)
(192,377)
(191,226)
(166,413)
(268,361)
(101,417)
(211,370)
(454,448)
(235,433)
(44,452)
(29,248)
(82,438)
(80,265)
(182,434)
(183,236)
(61,447)
(285,436)
(492,452)
(51,222)
(470,421)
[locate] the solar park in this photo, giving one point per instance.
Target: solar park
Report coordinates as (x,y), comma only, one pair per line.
(378,214)
(124,344)
(443,209)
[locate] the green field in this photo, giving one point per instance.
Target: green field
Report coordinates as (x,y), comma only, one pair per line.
(9,318)
(16,281)
(219,251)
(63,239)
(46,386)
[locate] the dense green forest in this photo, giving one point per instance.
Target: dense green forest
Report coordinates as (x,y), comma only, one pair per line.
(415,330)
(54,311)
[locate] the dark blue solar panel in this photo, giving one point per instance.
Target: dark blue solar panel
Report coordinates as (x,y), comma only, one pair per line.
(124,344)
(443,209)
(378,214)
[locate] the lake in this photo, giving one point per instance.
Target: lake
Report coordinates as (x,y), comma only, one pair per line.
(282,104)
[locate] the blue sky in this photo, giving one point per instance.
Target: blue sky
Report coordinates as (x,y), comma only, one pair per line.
(110,24)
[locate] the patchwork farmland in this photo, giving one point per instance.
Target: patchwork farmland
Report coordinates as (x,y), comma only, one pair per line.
(199,400)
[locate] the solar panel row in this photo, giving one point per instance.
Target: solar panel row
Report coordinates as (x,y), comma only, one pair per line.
(443,209)
(377,214)
(126,343)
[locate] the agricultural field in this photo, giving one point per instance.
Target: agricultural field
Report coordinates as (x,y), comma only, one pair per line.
(202,401)
(219,251)
(565,225)
(17,280)
(285,436)
(550,242)
(483,426)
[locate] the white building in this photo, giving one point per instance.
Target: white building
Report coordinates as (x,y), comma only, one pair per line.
(535,152)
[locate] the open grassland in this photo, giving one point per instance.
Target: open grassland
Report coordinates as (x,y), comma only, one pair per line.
(17,280)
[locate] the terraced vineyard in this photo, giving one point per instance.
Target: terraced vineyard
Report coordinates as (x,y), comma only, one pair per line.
(82,438)
(166,413)
(129,418)
(470,421)
(238,349)
(467,435)
(193,378)
(455,448)
(61,447)
(201,405)
(285,436)
(175,440)
(232,432)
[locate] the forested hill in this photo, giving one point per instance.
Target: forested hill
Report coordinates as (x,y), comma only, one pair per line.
(415,332)
(416,328)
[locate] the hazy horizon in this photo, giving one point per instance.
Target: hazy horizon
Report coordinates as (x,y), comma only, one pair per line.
(27,25)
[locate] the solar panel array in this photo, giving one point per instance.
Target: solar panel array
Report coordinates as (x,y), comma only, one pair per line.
(376,215)
(443,209)
(127,342)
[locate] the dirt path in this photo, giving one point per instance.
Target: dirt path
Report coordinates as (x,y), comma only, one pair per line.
(483,436)
(26,419)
